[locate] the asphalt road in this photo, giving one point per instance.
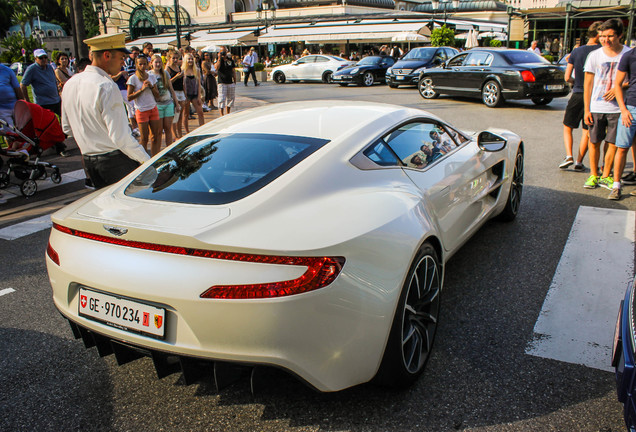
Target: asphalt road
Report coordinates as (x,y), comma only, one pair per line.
(479,377)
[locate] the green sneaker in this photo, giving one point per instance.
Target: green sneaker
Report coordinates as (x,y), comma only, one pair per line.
(606,182)
(591,183)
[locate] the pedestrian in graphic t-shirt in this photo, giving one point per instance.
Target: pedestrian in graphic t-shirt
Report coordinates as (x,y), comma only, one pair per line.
(601,109)
(227,80)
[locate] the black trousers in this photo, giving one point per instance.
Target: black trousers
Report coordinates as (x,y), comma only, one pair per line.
(108,168)
(248,73)
(57,109)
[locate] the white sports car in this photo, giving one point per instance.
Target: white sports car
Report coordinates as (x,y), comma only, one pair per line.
(310,68)
(308,236)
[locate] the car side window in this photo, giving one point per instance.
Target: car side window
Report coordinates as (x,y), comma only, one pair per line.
(381,154)
(306,59)
(457,61)
(420,144)
(321,59)
(479,59)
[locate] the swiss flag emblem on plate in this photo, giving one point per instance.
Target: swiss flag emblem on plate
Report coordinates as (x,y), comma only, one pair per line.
(83,301)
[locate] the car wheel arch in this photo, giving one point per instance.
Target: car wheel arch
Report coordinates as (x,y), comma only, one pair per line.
(491,77)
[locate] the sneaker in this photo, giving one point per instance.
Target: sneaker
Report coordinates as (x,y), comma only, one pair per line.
(633,193)
(65,153)
(578,167)
(136,133)
(591,183)
(615,194)
(566,162)
(606,182)
(629,179)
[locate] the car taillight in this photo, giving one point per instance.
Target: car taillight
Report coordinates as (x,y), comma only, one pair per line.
(52,254)
(527,76)
(321,271)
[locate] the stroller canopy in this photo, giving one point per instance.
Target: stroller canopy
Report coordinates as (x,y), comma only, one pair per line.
(38,123)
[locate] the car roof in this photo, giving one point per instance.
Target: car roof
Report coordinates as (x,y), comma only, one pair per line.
(326,119)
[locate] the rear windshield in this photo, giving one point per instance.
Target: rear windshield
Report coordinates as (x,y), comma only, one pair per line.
(517,57)
(218,169)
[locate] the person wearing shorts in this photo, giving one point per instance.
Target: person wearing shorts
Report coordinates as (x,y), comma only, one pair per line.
(627,127)
(576,107)
(601,109)
(227,81)
(167,100)
(143,90)
(173,67)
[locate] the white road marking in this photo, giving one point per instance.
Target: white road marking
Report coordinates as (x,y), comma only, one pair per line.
(577,320)
(14,189)
(6,291)
(25,228)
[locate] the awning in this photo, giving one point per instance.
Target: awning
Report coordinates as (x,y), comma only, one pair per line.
(332,32)
(203,38)
(160,42)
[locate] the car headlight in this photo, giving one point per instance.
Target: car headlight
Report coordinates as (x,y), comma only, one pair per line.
(389,70)
(354,71)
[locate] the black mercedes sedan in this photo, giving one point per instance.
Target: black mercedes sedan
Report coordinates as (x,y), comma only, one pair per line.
(406,71)
(366,72)
(495,75)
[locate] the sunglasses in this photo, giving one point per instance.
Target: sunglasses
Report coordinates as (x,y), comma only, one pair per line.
(44,57)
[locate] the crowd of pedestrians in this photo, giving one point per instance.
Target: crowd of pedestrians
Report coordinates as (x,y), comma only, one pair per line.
(600,74)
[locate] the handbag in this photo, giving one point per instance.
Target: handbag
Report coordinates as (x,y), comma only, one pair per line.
(246,69)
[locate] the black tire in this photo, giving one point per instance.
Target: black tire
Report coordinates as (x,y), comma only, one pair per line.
(4,179)
(367,79)
(56,177)
(491,94)
(343,84)
(414,323)
(28,188)
(541,100)
(393,85)
(327,77)
(427,89)
(513,202)
(279,78)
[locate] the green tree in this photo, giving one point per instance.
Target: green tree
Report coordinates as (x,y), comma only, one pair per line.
(495,43)
(14,44)
(443,36)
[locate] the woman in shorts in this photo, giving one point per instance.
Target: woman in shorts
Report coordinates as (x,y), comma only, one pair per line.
(167,100)
(143,90)
(192,88)
(176,79)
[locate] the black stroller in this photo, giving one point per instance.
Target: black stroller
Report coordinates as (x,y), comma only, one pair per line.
(36,129)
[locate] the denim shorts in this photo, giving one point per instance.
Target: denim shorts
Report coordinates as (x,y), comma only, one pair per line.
(624,135)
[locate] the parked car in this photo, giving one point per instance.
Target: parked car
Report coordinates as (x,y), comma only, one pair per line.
(624,357)
(310,68)
(406,71)
(18,68)
(366,72)
(495,75)
(310,236)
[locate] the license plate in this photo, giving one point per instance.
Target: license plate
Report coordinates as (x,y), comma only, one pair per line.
(124,314)
(399,77)
(345,77)
(554,87)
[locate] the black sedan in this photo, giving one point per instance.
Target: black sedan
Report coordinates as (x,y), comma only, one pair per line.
(495,75)
(367,71)
(406,71)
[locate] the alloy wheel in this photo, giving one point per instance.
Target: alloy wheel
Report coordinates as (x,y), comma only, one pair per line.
(516,188)
(421,309)
(491,94)
(427,90)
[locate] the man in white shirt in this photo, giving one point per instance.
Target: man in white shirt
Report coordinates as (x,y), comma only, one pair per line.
(93,112)
(249,61)
(602,112)
(534,47)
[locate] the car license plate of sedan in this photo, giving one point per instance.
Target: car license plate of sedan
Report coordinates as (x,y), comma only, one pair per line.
(399,77)
(554,87)
(124,314)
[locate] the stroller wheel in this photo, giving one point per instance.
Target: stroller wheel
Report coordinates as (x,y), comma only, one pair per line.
(29,188)
(4,179)
(56,177)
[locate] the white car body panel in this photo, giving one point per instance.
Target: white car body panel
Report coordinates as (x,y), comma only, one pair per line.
(306,70)
(333,337)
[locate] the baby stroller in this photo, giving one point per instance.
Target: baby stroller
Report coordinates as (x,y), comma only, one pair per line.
(36,129)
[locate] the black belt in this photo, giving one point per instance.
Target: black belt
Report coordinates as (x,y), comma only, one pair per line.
(109,155)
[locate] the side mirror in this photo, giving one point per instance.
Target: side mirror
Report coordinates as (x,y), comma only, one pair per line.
(444,64)
(488,141)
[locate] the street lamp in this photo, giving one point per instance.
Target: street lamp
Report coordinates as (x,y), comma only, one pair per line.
(436,4)
(103,8)
(264,9)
